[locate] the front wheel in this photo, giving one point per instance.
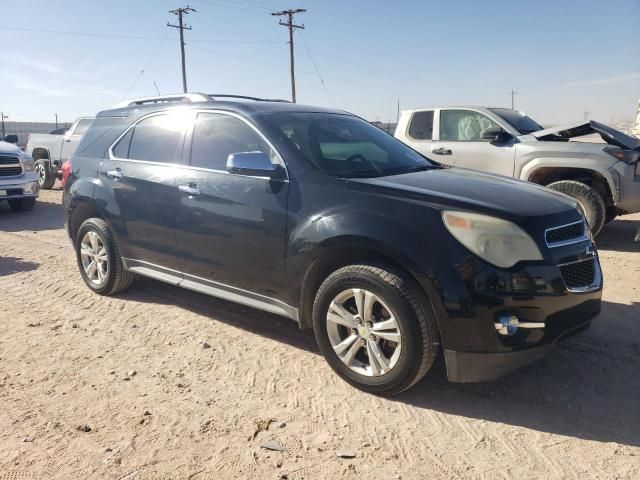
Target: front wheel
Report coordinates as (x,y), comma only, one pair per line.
(46,178)
(589,201)
(375,327)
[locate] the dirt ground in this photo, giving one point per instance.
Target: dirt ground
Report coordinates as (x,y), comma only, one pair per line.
(133,370)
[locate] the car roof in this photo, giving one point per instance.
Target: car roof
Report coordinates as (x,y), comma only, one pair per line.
(440,107)
(248,106)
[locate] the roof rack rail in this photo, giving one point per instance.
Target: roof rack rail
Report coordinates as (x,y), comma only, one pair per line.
(213,96)
(179,97)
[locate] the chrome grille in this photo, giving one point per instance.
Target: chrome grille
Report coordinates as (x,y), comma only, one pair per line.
(579,274)
(10,166)
(566,234)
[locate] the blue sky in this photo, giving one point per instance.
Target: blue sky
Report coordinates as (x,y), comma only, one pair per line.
(562,56)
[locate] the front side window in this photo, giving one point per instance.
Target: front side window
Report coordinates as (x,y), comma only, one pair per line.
(216,136)
(344,146)
(463,125)
(421,125)
(155,139)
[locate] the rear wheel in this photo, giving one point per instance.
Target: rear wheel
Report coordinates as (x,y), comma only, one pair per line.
(99,259)
(45,178)
(375,327)
(22,204)
(589,201)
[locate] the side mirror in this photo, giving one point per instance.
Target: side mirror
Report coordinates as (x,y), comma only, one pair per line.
(495,134)
(255,164)
(11,139)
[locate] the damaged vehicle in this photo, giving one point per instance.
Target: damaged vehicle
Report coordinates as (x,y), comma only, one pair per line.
(604,178)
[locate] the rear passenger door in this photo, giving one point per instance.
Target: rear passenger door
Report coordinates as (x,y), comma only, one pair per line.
(420,136)
(142,197)
(230,228)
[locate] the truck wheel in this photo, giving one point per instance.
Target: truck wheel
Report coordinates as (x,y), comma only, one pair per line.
(22,204)
(375,327)
(588,200)
(99,259)
(45,178)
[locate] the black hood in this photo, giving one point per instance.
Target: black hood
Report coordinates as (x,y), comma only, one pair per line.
(475,191)
(608,134)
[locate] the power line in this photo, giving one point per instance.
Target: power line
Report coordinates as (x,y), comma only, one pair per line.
(180,12)
(316,68)
(148,62)
(291,26)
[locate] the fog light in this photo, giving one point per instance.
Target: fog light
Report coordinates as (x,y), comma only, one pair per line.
(30,188)
(507,324)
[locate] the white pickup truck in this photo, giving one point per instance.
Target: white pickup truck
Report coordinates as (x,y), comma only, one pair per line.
(604,178)
(50,151)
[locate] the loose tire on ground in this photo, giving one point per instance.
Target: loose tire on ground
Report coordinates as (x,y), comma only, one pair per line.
(46,178)
(590,201)
(22,204)
(412,311)
(117,278)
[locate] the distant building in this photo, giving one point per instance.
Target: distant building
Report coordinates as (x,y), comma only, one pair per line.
(387,127)
(23,129)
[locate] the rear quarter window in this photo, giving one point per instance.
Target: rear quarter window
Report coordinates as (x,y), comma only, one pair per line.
(421,127)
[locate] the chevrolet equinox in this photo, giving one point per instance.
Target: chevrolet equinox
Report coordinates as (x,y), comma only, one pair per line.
(317,215)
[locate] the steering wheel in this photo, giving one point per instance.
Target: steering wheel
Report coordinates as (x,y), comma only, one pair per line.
(359,157)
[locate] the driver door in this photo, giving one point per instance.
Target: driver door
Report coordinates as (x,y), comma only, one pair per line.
(460,141)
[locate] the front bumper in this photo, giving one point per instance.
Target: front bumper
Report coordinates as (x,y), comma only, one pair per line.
(26,186)
(628,188)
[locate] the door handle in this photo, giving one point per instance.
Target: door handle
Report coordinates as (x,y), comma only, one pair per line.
(190,188)
(441,151)
(115,174)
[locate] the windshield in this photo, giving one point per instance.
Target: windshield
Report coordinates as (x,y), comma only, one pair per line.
(345,146)
(517,120)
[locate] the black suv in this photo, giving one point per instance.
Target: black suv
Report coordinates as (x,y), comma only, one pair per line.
(319,216)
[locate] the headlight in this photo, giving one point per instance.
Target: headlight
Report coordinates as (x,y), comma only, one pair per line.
(497,241)
(27,163)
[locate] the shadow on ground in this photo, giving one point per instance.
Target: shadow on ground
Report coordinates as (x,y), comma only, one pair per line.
(586,388)
(619,236)
(11,265)
(44,216)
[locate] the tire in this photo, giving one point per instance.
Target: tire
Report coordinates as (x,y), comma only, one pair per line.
(414,318)
(114,277)
(588,199)
(46,178)
(22,204)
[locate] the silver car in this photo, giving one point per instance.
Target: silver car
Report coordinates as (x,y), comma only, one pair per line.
(604,178)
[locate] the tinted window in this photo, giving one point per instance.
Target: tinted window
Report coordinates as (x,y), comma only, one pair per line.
(216,136)
(517,120)
(343,145)
(463,125)
(82,126)
(421,126)
(154,139)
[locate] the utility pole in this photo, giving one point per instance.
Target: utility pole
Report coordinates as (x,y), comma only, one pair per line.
(56,120)
(513,94)
(180,12)
(3,116)
(288,14)
(586,113)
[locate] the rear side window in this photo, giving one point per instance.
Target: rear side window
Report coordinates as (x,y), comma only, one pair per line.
(421,127)
(216,136)
(154,139)
(82,126)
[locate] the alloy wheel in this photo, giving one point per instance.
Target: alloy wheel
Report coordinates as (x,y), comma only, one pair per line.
(363,332)
(41,173)
(95,258)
